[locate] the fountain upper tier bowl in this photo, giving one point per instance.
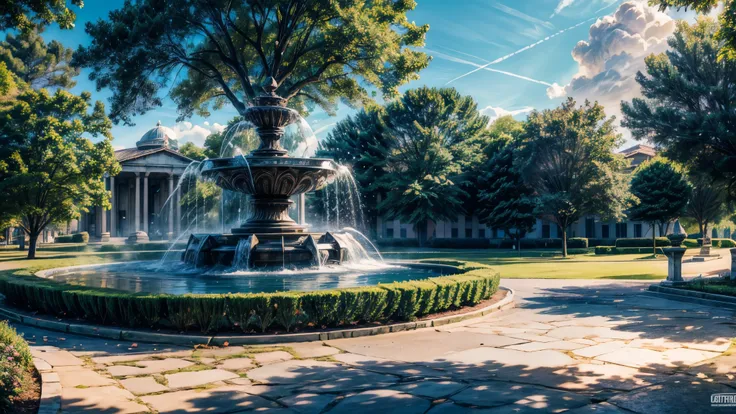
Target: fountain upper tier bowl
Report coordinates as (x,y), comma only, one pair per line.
(271,177)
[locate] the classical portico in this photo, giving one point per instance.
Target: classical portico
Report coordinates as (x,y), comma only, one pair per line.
(150,174)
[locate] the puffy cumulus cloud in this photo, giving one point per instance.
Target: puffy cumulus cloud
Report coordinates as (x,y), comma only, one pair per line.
(615,50)
(495,112)
(188,132)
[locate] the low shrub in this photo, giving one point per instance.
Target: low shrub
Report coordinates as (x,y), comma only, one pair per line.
(63,238)
(594,242)
(718,243)
(397,243)
(82,237)
(625,250)
(15,365)
(691,243)
(401,301)
(643,242)
(577,243)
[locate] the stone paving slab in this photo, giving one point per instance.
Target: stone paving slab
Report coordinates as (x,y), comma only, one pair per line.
(218,400)
(149,367)
(307,403)
(542,346)
(377,401)
(109,399)
(236,364)
(59,358)
(496,393)
(143,385)
(313,349)
(271,357)
(599,349)
(688,395)
(83,377)
(196,378)
(383,365)
(431,389)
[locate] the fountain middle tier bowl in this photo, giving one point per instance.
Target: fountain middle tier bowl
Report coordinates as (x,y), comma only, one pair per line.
(270,176)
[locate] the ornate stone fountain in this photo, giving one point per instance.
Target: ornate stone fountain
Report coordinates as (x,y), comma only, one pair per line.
(269,237)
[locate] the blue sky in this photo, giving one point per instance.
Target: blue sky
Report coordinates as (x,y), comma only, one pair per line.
(462,34)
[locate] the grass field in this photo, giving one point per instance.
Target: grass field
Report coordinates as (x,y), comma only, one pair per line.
(545,264)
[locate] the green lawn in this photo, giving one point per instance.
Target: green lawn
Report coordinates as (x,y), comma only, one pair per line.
(547,263)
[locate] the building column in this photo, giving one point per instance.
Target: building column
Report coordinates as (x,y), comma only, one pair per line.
(302,209)
(171,207)
(114,210)
(178,207)
(145,202)
(103,220)
(137,226)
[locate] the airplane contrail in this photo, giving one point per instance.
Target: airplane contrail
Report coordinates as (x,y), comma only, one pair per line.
(479,67)
(523,49)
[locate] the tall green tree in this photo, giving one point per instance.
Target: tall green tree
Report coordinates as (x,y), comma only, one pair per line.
(30,14)
(429,129)
(707,204)
(686,109)
(567,156)
(38,64)
(318,51)
(661,193)
(192,151)
(726,33)
(49,170)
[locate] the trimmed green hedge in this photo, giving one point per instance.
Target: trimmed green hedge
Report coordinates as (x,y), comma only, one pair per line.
(643,242)
(625,250)
(82,237)
(210,313)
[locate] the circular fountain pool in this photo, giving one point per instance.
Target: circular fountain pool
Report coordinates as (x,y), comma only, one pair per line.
(151,278)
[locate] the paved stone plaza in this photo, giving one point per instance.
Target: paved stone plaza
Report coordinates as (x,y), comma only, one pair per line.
(576,346)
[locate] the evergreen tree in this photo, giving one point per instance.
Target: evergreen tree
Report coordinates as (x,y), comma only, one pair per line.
(567,156)
(318,52)
(49,170)
(661,192)
(38,64)
(429,129)
(507,202)
(707,204)
(686,109)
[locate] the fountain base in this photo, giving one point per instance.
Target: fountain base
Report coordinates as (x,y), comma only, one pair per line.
(267,250)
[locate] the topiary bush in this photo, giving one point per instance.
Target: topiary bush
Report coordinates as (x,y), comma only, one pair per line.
(577,243)
(399,301)
(82,237)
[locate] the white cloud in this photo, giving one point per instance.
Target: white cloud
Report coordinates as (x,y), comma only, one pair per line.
(187,132)
(495,112)
(614,52)
(563,4)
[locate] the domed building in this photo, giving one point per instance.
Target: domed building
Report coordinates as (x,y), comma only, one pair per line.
(150,174)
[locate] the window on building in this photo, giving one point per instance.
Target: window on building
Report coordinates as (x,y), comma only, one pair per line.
(481,233)
(621,230)
(590,228)
(454,233)
(637,230)
(403,233)
(390,233)
(468,233)
(605,231)
(546,231)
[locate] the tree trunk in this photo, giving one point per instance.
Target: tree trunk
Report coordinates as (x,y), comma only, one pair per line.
(654,240)
(564,241)
(421,229)
(32,245)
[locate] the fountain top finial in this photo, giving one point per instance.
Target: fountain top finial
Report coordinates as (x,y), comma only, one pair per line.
(270,86)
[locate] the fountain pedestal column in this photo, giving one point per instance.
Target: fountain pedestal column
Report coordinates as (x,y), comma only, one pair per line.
(674,263)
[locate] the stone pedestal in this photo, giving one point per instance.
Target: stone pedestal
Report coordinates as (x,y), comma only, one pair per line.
(674,263)
(105,237)
(733,264)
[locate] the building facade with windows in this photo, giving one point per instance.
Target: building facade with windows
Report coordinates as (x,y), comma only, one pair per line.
(468,227)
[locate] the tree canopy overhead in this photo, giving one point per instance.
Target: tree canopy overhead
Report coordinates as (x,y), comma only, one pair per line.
(30,14)
(38,64)
(220,51)
(688,99)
